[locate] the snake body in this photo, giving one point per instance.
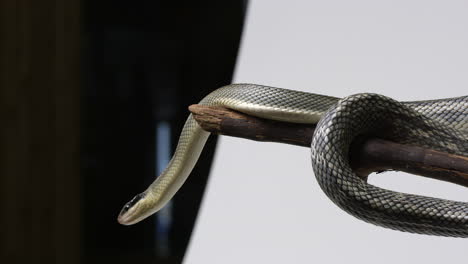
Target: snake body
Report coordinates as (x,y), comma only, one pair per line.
(436,124)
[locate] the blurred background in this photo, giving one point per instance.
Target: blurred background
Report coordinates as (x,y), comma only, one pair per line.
(94,93)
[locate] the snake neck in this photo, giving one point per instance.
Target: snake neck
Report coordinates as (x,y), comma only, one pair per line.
(160,192)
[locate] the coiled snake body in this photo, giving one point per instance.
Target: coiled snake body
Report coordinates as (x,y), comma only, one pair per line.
(437,124)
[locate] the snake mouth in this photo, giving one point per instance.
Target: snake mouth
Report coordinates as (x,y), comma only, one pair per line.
(129,213)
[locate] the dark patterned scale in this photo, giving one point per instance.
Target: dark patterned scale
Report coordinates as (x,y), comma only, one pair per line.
(371,114)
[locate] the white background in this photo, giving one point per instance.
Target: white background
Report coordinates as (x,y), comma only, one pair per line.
(263,204)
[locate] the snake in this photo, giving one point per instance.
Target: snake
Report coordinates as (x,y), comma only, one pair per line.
(440,124)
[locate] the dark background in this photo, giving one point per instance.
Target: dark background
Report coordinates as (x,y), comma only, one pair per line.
(84,86)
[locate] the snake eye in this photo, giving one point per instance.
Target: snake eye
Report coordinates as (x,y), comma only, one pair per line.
(132,202)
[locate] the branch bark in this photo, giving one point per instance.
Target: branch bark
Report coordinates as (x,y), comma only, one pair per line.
(367,155)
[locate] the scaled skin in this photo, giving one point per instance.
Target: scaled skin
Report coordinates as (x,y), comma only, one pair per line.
(257,100)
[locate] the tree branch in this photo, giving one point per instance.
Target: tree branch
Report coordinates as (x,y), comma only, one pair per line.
(367,155)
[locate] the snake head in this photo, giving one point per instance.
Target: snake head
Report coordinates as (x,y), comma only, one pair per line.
(135,210)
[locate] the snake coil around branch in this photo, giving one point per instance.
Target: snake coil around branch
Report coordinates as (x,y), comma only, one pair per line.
(440,125)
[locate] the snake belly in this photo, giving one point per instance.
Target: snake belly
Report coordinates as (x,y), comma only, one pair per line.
(436,124)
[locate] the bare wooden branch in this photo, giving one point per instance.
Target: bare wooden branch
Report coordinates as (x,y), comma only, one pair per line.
(367,155)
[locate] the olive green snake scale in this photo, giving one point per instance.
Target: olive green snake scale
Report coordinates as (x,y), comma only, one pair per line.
(436,124)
